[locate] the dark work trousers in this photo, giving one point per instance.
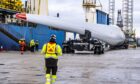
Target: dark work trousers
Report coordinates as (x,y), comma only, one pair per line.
(51,65)
(32,48)
(36,47)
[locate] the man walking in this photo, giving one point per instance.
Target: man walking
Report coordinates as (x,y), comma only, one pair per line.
(51,50)
(32,45)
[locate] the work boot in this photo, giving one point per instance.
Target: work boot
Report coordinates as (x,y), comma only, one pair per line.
(48,79)
(54,77)
(21,53)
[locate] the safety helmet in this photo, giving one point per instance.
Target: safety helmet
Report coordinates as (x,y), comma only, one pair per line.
(53,36)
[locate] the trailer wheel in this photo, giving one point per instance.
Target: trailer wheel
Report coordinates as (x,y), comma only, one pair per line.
(94,52)
(65,50)
(68,50)
(103,51)
(72,51)
(99,52)
(126,46)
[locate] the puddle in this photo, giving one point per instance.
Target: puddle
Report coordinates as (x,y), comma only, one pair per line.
(39,75)
(4,72)
(2,64)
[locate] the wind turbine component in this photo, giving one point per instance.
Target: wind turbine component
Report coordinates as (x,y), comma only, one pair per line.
(107,33)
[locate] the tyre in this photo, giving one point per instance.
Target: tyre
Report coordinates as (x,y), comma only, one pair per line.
(99,50)
(126,46)
(94,52)
(65,50)
(72,51)
(102,51)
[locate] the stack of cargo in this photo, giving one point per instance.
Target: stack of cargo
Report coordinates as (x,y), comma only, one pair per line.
(15,5)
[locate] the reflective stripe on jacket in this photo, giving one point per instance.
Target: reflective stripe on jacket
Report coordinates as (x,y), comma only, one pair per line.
(32,43)
(58,52)
(51,48)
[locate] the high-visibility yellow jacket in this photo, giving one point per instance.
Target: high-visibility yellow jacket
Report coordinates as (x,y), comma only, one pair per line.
(32,43)
(58,51)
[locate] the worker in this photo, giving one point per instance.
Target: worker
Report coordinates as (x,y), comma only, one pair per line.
(51,50)
(36,45)
(32,45)
(22,45)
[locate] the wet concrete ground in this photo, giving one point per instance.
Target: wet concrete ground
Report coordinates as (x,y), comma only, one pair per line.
(113,67)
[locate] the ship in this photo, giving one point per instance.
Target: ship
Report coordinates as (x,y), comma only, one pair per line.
(12,30)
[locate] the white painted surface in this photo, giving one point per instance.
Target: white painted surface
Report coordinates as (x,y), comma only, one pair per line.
(110,34)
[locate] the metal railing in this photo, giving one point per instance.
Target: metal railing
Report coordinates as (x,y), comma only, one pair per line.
(11,31)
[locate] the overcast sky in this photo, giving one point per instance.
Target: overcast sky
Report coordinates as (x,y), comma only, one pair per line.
(72,9)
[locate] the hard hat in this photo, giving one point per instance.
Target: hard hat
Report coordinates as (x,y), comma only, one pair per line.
(53,36)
